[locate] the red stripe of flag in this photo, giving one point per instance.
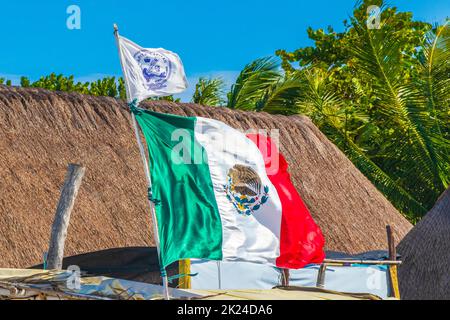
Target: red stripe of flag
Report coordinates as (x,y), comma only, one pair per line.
(301,240)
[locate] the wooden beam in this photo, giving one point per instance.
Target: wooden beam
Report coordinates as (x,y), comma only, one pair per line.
(58,236)
(357,261)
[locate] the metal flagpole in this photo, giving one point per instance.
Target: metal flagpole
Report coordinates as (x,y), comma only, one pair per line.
(219,272)
(147,174)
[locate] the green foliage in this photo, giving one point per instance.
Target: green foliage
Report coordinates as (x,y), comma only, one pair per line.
(107,86)
(209,92)
(57,83)
(166,98)
(121,88)
(104,87)
(25,82)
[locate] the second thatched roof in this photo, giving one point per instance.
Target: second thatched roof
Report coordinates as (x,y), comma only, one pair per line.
(42,131)
(425,252)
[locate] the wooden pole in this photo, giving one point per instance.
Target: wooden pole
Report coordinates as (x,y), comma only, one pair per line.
(219,273)
(393,275)
(320,283)
(391,243)
(69,192)
(285,277)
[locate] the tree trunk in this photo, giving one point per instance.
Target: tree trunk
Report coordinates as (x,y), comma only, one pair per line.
(69,192)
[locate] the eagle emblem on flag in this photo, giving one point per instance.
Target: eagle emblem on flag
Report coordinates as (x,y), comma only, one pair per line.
(245,190)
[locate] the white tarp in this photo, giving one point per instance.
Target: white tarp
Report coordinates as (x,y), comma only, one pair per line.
(244,275)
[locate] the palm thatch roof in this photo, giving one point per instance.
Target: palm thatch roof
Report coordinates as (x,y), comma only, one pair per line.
(42,131)
(425,252)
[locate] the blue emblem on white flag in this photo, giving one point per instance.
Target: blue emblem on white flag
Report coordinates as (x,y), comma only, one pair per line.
(150,72)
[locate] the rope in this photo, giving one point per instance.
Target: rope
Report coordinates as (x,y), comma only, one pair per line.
(151,198)
(45,260)
(134,108)
(181,275)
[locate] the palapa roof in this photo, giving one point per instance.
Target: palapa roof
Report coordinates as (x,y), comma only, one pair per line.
(425,252)
(42,131)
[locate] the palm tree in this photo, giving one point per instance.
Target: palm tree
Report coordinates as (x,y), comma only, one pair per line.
(417,157)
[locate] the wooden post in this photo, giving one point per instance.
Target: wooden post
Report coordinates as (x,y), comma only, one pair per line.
(184,268)
(320,283)
(393,275)
(69,192)
(391,243)
(285,277)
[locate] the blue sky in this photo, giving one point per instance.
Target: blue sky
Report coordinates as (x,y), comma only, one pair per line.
(213,37)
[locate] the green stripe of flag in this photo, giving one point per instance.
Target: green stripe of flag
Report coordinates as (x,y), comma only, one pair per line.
(188,217)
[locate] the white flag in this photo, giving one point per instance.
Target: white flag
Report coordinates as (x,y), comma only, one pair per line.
(150,72)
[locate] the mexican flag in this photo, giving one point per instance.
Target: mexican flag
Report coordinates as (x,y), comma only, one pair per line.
(222,195)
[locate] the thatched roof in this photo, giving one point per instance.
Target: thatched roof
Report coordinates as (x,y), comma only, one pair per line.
(425,252)
(42,131)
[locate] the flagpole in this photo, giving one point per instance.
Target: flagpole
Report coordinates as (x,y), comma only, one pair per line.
(219,272)
(147,174)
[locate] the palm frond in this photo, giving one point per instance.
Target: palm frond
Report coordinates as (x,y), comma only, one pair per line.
(252,83)
(282,96)
(394,192)
(434,88)
(209,92)
(380,56)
